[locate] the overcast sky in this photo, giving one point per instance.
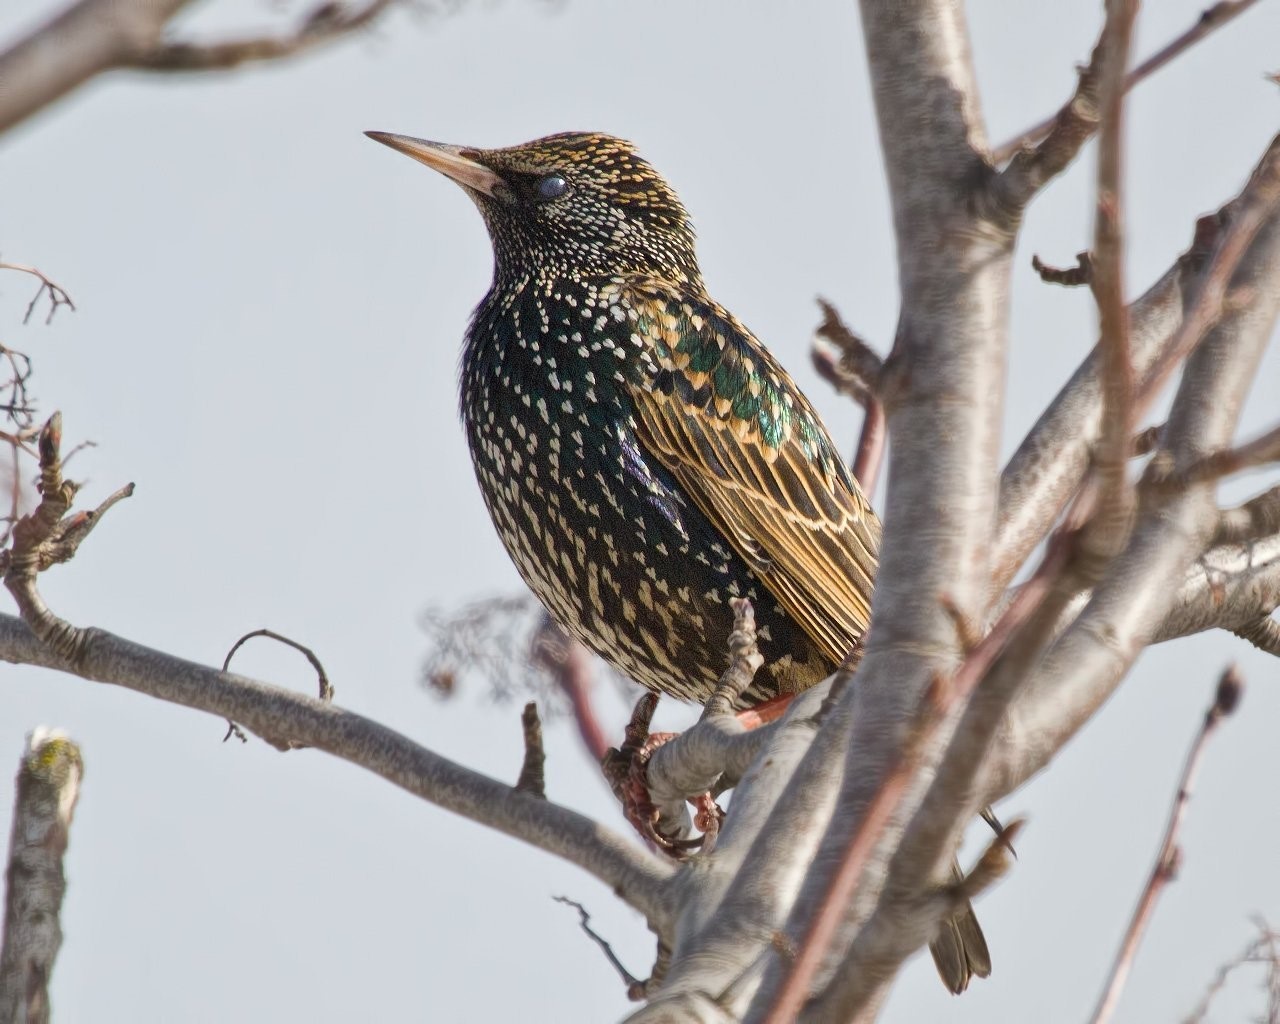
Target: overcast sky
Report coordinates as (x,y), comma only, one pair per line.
(269,313)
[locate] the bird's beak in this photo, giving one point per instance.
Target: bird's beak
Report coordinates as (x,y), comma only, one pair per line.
(448,160)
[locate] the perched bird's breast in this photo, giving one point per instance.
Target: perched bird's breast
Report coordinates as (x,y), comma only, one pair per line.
(600,531)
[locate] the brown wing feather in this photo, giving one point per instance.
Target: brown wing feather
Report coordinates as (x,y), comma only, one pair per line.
(725,419)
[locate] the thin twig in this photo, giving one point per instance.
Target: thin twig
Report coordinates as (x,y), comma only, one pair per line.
(533,779)
(1225,701)
(584,920)
(1261,950)
(326,688)
(1210,19)
(57,294)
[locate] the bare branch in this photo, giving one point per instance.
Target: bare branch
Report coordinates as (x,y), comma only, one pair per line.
(1244,218)
(1063,122)
(58,296)
(1168,859)
(1230,586)
(639,878)
(323,24)
(47,537)
(85,39)
(1258,452)
(1265,949)
(1109,528)
(48,787)
(1132,605)
(93,36)
(1052,460)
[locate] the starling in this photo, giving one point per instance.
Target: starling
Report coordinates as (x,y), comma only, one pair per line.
(644,458)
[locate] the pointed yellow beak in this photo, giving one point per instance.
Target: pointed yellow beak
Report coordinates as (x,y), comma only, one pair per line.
(448,160)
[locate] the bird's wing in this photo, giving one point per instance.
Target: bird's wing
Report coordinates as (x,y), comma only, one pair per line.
(715,408)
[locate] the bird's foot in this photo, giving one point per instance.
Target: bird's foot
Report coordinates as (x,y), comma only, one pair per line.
(626,769)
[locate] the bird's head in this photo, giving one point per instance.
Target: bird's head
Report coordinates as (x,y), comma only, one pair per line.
(574,204)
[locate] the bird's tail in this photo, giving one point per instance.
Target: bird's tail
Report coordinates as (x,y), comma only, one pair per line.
(960,949)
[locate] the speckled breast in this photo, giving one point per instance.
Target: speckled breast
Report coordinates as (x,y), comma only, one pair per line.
(600,533)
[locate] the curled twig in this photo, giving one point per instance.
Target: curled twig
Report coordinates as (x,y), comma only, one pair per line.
(326,688)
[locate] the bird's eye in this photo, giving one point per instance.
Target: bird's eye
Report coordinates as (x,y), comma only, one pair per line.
(551,187)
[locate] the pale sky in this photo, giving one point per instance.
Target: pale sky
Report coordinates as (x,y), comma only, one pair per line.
(269,313)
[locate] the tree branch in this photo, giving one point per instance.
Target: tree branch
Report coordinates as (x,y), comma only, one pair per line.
(48,786)
(1109,528)
(1128,608)
(1069,121)
(323,24)
(84,40)
(639,877)
(93,36)
(1164,324)
(942,379)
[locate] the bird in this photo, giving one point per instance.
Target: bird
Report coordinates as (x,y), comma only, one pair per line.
(644,457)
